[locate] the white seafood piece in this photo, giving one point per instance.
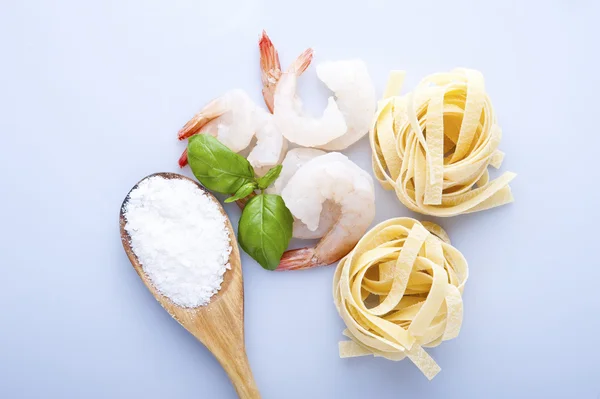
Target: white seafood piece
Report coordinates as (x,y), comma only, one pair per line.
(293,161)
(330,177)
(270,147)
(234,119)
(355,98)
(329,214)
(298,127)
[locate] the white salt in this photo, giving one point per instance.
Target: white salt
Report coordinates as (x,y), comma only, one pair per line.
(180,237)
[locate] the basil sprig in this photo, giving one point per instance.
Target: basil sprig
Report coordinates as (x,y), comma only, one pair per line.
(265,227)
(243,192)
(269,177)
(216,166)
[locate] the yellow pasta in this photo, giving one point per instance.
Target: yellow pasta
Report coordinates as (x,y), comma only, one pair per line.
(433,145)
(399,291)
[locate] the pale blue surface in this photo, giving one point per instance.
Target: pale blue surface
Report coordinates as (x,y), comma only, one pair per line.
(91,96)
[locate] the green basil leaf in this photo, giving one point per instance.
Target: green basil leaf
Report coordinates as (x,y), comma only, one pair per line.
(216,166)
(269,177)
(243,192)
(265,229)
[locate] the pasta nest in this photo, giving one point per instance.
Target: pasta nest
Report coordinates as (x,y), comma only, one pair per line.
(400,290)
(433,145)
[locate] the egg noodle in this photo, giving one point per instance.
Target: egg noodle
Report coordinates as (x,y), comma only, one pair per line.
(400,290)
(433,145)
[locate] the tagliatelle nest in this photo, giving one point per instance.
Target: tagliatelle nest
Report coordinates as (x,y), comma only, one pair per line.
(414,279)
(433,145)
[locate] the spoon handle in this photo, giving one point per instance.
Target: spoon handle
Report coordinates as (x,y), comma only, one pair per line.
(221,328)
(238,370)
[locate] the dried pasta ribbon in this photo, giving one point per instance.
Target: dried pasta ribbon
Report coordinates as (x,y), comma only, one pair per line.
(400,291)
(433,145)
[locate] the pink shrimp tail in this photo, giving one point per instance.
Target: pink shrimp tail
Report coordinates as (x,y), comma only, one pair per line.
(306,258)
(191,127)
(298,259)
(212,110)
(183,159)
(302,62)
(270,66)
(270,69)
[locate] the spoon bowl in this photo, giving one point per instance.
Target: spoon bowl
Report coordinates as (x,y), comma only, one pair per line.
(219,325)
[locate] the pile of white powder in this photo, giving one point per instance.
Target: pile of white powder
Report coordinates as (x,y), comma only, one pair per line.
(179,236)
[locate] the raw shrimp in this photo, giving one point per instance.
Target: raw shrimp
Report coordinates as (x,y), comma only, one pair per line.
(293,161)
(270,146)
(353,89)
(270,67)
(355,97)
(329,177)
(279,92)
(303,129)
(231,118)
(220,117)
(234,119)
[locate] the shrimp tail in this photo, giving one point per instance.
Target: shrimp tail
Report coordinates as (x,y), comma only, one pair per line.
(329,250)
(192,127)
(212,110)
(183,159)
(270,68)
(302,62)
(298,259)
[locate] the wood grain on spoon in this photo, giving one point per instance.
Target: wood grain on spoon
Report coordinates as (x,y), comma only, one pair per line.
(218,325)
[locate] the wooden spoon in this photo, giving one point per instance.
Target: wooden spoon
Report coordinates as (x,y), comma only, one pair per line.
(218,325)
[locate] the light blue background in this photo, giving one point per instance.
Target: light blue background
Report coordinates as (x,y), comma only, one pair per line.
(91,97)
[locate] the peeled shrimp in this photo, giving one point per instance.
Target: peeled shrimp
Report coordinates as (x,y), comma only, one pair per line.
(355,97)
(335,178)
(279,92)
(355,101)
(231,118)
(293,161)
(298,127)
(270,146)
(270,67)
(234,119)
